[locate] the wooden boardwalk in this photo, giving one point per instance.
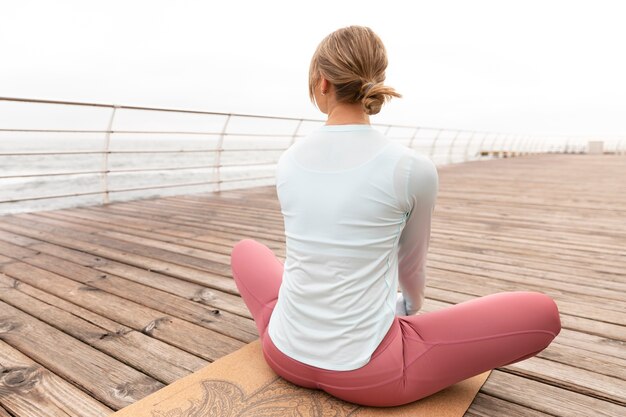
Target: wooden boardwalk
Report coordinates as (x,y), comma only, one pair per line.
(100,306)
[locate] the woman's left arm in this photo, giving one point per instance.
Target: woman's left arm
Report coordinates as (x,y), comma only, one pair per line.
(423,184)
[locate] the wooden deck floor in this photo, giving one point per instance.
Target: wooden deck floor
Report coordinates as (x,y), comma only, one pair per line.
(100,306)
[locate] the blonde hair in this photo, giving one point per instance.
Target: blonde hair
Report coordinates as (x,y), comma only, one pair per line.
(353,59)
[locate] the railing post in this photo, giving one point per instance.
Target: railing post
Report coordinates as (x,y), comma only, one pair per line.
(218,155)
(527,144)
(500,138)
(508,144)
(105,159)
(417,129)
(513,143)
(432,148)
(469,140)
(458,132)
(482,142)
(536,145)
(532,145)
(493,143)
(524,144)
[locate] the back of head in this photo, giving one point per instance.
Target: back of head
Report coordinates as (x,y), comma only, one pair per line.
(353,59)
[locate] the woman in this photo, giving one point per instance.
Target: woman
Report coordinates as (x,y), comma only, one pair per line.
(357,209)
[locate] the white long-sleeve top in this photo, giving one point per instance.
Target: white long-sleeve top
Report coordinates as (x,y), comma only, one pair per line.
(357,210)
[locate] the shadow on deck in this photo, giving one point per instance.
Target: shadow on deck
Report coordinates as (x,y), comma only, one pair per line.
(102,305)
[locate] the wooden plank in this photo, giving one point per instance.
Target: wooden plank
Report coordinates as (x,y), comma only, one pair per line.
(191,291)
(521,215)
(613,366)
(559,268)
(131,227)
(525,221)
(75,361)
(596,308)
(487,406)
(531,242)
(206,261)
(28,389)
(231,225)
(606,292)
(176,253)
(159,360)
(203,237)
(192,338)
(592,343)
(223,322)
(583,381)
(463,253)
(546,398)
(109,248)
(217,229)
(5,259)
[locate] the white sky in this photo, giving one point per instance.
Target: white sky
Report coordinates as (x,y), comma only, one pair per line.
(544,67)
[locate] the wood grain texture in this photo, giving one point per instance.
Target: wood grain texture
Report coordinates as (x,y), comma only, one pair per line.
(155,358)
(198,340)
(106,379)
(149,274)
(29,389)
(64,261)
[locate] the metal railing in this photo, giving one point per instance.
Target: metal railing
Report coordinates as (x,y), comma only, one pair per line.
(443,146)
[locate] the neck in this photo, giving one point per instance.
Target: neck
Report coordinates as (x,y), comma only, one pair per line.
(344,114)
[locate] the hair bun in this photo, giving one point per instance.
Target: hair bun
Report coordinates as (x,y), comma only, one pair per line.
(374,95)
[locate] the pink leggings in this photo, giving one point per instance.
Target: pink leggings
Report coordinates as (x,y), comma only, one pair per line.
(420,354)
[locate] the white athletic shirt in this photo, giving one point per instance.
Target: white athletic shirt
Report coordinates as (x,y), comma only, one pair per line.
(357,211)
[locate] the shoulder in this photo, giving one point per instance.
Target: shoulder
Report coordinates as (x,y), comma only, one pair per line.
(423,166)
(423,175)
(418,166)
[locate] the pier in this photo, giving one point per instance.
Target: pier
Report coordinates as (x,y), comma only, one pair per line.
(101,305)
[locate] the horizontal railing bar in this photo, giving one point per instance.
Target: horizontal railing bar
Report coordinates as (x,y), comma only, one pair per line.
(132,151)
(136,189)
(51,130)
(187,132)
(138,151)
(149,132)
(163,109)
(51,174)
(48,174)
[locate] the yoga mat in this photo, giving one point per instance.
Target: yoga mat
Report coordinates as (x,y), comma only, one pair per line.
(241,384)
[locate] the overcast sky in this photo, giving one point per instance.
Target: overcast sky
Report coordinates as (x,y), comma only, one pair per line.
(544,67)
